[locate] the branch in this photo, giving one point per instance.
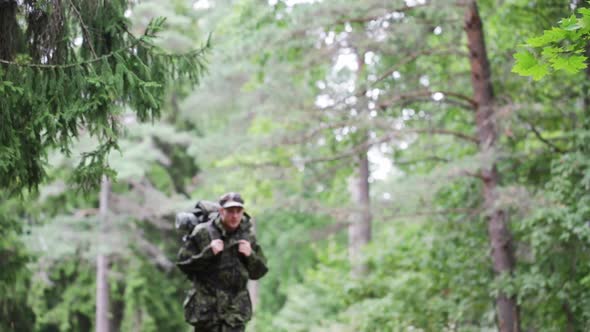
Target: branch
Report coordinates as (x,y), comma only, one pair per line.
(137,41)
(306,135)
(460,96)
(414,94)
(445,101)
(355,150)
(84,29)
(364,19)
(416,161)
(377,16)
(445,132)
(368,144)
(319,234)
(410,58)
(158,257)
(542,139)
(472,174)
(352,152)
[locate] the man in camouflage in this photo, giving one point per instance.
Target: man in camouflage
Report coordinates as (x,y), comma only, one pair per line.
(219,257)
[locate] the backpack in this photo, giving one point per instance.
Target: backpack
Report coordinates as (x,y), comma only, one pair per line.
(201,213)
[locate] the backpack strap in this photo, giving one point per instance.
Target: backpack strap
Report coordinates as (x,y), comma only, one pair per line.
(214,233)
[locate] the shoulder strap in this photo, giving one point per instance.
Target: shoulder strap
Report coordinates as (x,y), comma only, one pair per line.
(213,231)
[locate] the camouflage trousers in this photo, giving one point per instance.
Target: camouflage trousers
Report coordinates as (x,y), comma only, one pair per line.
(219,327)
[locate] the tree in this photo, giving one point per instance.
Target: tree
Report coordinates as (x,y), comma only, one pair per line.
(138,240)
(15,279)
(420,103)
(502,247)
(515,155)
(69,69)
(102,321)
(62,295)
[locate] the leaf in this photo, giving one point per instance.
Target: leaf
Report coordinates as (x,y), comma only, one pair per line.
(571,23)
(551,52)
(528,65)
(571,65)
(585,19)
(548,37)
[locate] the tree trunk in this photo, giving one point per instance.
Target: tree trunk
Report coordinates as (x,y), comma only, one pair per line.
(583,144)
(9,29)
(499,235)
(359,230)
(102,262)
(253,284)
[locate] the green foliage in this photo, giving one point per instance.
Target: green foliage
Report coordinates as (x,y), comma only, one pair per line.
(67,90)
(562,48)
(151,297)
(15,314)
(286,233)
(62,296)
(424,274)
(552,280)
(323,286)
(255,127)
(528,65)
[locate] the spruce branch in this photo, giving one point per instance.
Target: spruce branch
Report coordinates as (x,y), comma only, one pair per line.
(144,40)
(85,31)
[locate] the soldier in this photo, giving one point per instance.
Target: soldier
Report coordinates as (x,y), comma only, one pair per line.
(219,257)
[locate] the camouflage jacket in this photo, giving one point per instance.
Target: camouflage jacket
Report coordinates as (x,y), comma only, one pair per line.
(219,290)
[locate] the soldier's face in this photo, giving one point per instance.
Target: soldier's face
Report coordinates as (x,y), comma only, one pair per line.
(231,217)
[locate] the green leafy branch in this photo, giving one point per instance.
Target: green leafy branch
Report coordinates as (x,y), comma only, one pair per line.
(561,48)
(48,106)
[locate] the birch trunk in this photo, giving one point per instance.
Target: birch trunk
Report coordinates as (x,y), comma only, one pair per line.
(102,262)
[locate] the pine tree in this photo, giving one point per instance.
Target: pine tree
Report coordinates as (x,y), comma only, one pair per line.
(68,68)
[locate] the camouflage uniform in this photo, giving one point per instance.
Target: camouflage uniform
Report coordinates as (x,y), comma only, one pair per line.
(219,300)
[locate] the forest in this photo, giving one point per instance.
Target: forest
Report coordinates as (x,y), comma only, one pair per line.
(411,165)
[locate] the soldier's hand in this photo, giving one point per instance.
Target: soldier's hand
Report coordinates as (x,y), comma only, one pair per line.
(216,246)
(245,248)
